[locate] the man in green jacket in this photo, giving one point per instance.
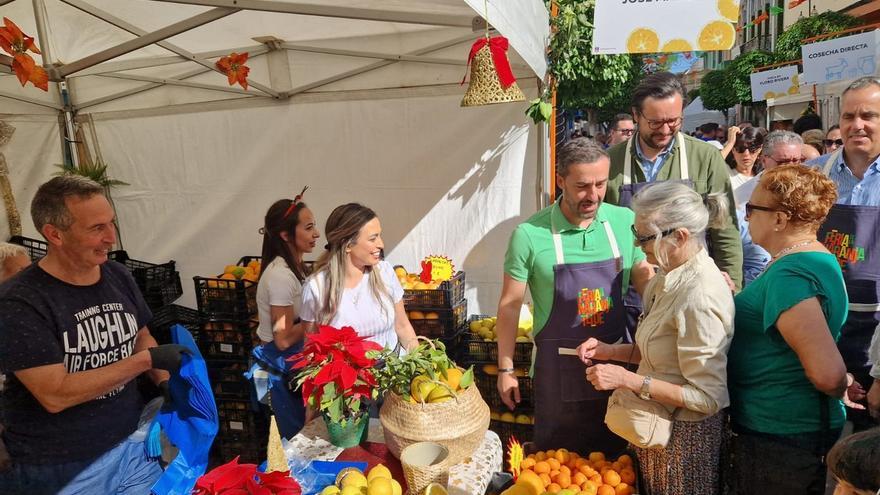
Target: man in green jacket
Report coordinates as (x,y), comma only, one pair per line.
(658,152)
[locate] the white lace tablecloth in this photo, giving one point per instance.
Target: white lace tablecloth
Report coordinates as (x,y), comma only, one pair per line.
(467,478)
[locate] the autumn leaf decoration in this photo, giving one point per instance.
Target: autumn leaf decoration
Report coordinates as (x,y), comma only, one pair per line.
(233,65)
(17,44)
(794,3)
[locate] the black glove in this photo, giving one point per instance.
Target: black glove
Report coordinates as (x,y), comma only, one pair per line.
(167,399)
(168,356)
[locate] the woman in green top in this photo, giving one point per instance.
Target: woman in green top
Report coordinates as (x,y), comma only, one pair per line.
(786,377)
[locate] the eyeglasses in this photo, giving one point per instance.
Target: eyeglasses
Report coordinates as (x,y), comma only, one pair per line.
(641,240)
(742,148)
(832,142)
(786,161)
(626,132)
(750,208)
(657,124)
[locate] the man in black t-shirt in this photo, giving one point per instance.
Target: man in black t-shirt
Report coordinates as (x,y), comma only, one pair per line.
(73,337)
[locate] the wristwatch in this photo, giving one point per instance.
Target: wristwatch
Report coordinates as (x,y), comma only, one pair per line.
(645,392)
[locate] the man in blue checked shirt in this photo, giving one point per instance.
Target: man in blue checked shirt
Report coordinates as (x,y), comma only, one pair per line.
(852,229)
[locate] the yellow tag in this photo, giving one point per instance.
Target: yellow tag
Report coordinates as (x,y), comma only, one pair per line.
(442,268)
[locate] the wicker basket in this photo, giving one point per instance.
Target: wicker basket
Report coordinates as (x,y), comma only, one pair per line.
(459,424)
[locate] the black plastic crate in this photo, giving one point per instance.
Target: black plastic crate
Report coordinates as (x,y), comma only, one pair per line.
(483,351)
(450,293)
(488,386)
(158,282)
(455,346)
(248,451)
(167,316)
(36,248)
(240,420)
(227,340)
(439,323)
(226,299)
(228,380)
(523,433)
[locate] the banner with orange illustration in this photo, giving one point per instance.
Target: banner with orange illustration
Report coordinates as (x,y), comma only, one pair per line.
(664,26)
(775,83)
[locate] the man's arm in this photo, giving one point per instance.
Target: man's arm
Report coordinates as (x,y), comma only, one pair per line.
(57,390)
(144,341)
(512,293)
(726,244)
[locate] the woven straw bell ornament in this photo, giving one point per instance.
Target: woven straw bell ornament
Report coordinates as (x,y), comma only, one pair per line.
(486,87)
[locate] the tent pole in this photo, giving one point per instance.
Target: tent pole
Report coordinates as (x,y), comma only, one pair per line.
(40,16)
(70,135)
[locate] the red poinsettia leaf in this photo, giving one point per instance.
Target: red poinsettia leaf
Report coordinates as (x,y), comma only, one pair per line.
(254,487)
(242,76)
(6,39)
(279,482)
(40,78)
(347,375)
(230,76)
(223,64)
(23,65)
(14,30)
(30,45)
(324,376)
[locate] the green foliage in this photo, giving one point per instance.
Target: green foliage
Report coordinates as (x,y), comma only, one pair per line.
(583,80)
(428,358)
(715,91)
(788,44)
(96,171)
(622,102)
(738,73)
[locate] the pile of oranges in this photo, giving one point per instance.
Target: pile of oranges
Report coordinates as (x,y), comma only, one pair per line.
(567,472)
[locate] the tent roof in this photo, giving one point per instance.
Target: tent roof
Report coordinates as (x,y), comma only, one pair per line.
(131,54)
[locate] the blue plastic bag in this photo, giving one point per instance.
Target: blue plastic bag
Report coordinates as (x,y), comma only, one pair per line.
(190,422)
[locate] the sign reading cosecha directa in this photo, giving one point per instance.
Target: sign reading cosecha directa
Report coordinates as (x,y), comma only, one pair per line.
(850,57)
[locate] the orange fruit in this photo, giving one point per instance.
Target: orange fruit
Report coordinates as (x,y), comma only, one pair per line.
(540,456)
(531,479)
(643,40)
(579,478)
(729,9)
(545,479)
(554,464)
(623,489)
(597,457)
(606,490)
(717,35)
(625,460)
(542,467)
(580,462)
(562,456)
(596,479)
(676,45)
(554,474)
(565,470)
(554,488)
(550,453)
(527,463)
(611,477)
(616,465)
(628,476)
(563,480)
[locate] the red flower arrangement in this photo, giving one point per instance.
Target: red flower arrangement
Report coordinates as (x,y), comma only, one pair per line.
(243,479)
(336,373)
(14,42)
(233,65)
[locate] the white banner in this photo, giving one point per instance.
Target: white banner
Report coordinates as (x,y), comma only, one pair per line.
(664,26)
(774,83)
(839,59)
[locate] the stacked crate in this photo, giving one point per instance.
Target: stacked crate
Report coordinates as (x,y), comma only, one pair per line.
(439,313)
(226,339)
(483,355)
(159,283)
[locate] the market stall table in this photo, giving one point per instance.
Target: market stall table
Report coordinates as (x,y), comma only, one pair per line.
(467,478)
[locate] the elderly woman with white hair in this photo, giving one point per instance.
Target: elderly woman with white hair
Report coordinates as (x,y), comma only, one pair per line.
(681,346)
(13,259)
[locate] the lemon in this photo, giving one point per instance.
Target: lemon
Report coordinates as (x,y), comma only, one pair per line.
(523,419)
(380,471)
(729,9)
(676,45)
(416,315)
(435,489)
(421,387)
(643,40)
(354,479)
(331,490)
(351,490)
(453,378)
(717,35)
(396,489)
(432,316)
(522,339)
(508,417)
(400,271)
(380,486)
(439,394)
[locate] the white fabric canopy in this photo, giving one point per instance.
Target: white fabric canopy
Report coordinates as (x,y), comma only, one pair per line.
(696,115)
(343,100)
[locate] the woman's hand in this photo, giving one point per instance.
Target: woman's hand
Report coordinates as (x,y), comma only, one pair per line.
(593,349)
(854,392)
(609,376)
(732,132)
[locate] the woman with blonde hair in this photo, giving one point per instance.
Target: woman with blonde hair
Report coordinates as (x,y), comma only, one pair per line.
(353,286)
(681,342)
(787,378)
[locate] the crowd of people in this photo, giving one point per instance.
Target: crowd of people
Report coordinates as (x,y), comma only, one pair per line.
(709,302)
(753,270)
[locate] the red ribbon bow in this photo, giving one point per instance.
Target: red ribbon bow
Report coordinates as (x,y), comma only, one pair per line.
(498,46)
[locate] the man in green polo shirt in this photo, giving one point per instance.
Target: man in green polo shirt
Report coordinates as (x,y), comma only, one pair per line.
(576,257)
(659,152)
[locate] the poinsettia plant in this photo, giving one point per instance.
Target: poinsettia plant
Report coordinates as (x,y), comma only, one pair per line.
(335,372)
(233,478)
(14,42)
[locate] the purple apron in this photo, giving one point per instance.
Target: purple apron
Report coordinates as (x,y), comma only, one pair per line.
(587,302)
(852,234)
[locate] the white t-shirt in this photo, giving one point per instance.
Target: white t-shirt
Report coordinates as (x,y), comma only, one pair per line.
(278,287)
(359,308)
(737,180)
(742,193)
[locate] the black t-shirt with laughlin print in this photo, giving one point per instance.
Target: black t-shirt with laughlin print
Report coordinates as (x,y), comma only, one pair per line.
(45,321)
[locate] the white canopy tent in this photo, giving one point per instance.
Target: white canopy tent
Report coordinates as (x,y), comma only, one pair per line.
(358,99)
(695,115)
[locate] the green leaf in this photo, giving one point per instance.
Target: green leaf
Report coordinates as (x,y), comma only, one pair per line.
(467,378)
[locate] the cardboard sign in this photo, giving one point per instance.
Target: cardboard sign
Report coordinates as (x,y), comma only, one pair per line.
(664,26)
(774,83)
(839,59)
